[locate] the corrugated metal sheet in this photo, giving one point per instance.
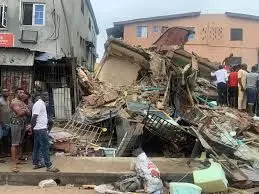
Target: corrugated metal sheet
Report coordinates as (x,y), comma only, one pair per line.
(173,36)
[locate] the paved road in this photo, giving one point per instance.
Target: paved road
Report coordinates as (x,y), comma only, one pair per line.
(36,190)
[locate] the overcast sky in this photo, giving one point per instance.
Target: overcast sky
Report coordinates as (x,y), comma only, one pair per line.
(109,11)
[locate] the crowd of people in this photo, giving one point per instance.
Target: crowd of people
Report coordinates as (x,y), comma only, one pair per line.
(21,116)
(237,87)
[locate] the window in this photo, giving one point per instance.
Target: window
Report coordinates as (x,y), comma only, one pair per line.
(192,35)
(236,34)
(163,29)
(235,61)
(156,29)
(90,24)
(33,14)
(141,31)
(82,7)
(3,16)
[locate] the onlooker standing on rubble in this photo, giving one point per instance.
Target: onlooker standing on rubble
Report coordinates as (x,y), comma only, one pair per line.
(19,112)
(233,87)
(227,62)
(251,83)
(39,125)
(222,78)
(242,98)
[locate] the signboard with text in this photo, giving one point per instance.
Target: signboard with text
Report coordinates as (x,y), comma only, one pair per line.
(6,40)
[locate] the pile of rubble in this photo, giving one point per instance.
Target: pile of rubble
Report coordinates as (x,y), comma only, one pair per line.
(161,98)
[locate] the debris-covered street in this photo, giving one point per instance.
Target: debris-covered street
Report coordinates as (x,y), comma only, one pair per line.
(32,190)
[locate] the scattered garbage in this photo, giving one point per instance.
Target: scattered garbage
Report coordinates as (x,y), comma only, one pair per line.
(88,187)
(128,184)
(106,189)
(148,172)
(47,183)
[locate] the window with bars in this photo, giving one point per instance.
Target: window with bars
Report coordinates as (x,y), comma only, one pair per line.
(3,16)
(156,29)
(164,28)
(33,14)
(142,32)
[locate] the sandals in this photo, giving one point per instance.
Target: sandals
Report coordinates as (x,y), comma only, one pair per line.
(15,169)
(38,167)
(53,169)
(23,159)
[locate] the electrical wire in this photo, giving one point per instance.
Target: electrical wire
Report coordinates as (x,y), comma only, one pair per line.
(56,21)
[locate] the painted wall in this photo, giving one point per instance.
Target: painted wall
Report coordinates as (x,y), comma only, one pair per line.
(59,45)
(212,39)
(112,71)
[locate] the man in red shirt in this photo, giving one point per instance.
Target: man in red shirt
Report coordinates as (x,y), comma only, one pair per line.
(233,87)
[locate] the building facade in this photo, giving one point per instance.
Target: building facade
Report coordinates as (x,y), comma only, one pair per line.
(62,28)
(216,35)
(41,42)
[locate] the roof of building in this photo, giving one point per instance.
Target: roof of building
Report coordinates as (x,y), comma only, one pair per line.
(242,16)
(89,5)
(167,17)
(183,15)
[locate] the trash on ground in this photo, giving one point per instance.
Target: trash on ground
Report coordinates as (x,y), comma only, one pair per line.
(47,183)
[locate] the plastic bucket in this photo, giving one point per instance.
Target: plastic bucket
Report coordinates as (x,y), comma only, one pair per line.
(109,152)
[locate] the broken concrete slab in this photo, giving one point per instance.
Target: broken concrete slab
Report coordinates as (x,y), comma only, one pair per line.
(121,63)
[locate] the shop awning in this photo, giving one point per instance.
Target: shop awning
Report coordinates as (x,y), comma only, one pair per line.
(16,57)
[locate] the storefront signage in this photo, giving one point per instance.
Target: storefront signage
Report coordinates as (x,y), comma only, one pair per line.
(6,40)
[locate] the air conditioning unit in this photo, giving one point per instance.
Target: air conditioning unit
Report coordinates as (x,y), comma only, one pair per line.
(29,36)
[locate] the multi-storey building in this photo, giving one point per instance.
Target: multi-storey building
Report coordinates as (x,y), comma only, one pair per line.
(216,35)
(41,42)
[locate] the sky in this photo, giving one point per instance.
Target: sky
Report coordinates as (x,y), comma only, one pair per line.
(109,11)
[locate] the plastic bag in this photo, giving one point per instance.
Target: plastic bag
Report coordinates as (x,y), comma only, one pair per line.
(47,183)
(150,174)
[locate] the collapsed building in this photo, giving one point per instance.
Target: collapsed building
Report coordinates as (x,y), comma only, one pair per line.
(163,100)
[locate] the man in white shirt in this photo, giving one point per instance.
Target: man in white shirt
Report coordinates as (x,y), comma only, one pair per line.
(222,78)
(41,139)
